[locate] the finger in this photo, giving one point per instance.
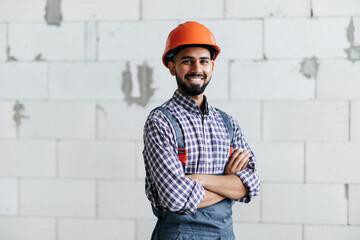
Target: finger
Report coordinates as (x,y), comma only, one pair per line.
(234,155)
(245,165)
(243,158)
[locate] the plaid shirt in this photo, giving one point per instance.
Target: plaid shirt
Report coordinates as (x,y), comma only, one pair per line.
(207,143)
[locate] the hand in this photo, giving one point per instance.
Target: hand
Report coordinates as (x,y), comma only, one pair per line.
(237,162)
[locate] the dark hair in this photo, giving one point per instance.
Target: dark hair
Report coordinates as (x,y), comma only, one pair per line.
(171,54)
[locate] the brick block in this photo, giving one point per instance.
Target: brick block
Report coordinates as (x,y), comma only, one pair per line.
(218,88)
(338,79)
(238,39)
(114,124)
(27,228)
(144,229)
(251,231)
(355,121)
(100,10)
(86,80)
(9,197)
(28,158)
(59,120)
(275,80)
(248,115)
(331,232)
(158,9)
(249,212)
(335,8)
(323,159)
(298,38)
(3,41)
(47,41)
(22,10)
(57,198)
(140,167)
(306,121)
(23,80)
(94,229)
(114,202)
(91,40)
(259,8)
(125,40)
(307,204)
(90,159)
(280,161)
(354,207)
(7,123)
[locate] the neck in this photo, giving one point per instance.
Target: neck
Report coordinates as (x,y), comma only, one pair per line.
(199,99)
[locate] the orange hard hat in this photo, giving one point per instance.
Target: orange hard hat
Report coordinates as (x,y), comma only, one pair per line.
(190,33)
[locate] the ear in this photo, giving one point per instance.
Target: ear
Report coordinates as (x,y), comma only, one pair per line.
(171,66)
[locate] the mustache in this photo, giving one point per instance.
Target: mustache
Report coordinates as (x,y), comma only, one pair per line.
(195,75)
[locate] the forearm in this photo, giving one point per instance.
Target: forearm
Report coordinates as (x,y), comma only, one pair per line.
(210,198)
(229,186)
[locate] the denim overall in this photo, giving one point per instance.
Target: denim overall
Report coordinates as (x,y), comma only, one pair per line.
(209,223)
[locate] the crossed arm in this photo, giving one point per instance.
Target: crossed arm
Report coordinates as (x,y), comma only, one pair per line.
(228,185)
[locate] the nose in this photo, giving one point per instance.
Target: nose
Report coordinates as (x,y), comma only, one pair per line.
(196,67)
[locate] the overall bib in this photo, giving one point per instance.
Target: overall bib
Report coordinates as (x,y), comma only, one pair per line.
(209,223)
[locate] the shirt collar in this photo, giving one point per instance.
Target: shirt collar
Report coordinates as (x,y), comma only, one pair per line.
(190,104)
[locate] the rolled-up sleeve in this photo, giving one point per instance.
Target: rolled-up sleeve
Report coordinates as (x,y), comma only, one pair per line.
(249,176)
(166,185)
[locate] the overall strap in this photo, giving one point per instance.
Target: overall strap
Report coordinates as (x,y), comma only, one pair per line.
(229,127)
(179,136)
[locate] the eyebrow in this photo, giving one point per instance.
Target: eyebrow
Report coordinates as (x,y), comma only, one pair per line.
(185,57)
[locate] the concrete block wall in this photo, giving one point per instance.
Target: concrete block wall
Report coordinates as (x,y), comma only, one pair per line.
(78,79)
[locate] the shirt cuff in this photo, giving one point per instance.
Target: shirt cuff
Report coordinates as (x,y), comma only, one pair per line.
(197,194)
(250,179)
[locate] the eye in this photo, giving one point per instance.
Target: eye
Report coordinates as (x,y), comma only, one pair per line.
(186,61)
(204,61)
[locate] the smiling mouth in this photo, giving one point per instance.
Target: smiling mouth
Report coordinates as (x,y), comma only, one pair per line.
(195,79)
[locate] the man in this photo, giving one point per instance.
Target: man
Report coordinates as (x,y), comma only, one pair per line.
(193,175)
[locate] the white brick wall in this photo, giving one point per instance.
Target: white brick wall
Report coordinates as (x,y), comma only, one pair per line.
(299,203)
(22,10)
(27,228)
(15,163)
(72,168)
(354,207)
(100,10)
(306,121)
(188,9)
(59,120)
(336,7)
(355,121)
(55,197)
(267,231)
(9,197)
(52,42)
(273,77)
(7,124)
(3,42)
(337,79)
(243,41)
(300,37)
(23,80)
(124,200)
(92,229)
(259,8)
(97,159)
(280,161)
(133,40)
(323,161)
(332,232)
(87,80)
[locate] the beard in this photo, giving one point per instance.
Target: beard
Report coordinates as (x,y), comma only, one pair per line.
(193,90)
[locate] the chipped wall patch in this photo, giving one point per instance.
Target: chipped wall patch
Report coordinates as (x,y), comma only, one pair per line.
(53,12)
(309,67)
(18,116)
(144,82)
(9,57)
(353,52)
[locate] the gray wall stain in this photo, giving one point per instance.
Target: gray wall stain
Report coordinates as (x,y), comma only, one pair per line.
(101,109)
(18,116)
(145,79)
(353,52)
(309,67)
(53,12)
(39,58)
(9,57)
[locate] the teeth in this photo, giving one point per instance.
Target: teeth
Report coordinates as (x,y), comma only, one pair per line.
(196,79)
